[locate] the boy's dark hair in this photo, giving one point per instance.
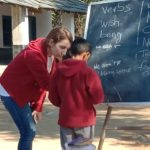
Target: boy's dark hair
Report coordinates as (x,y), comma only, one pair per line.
(78,46)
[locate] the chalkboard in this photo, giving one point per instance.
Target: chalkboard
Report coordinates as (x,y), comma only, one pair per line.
(119,31)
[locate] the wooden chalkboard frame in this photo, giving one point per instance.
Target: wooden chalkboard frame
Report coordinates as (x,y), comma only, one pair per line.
(112,104)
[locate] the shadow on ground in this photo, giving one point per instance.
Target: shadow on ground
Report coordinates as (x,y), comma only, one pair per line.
(47,128)
(123,117)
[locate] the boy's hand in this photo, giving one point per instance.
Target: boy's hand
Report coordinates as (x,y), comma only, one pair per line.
(36,116)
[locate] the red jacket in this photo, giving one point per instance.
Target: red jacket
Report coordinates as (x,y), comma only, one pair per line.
(75,88)
(26,78)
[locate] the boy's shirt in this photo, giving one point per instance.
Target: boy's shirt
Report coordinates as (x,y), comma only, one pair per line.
(75,88)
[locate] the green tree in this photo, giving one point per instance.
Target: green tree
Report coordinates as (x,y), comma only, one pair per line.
(56,18)
(80,20)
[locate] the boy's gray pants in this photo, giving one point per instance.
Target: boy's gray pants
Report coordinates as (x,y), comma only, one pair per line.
(69,134)
(85,147)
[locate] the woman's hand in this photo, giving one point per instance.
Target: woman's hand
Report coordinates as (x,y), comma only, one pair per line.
(36,116)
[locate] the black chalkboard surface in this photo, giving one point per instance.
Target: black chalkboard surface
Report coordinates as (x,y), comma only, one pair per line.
(119,31)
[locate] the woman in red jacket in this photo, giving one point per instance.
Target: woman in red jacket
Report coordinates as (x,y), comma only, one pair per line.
(25,80)
(75,89)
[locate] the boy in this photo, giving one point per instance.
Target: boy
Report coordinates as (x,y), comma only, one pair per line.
(75,89)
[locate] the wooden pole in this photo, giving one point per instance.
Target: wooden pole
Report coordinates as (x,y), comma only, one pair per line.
(102,137)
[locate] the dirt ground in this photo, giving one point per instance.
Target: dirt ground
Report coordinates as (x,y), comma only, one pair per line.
(48,130)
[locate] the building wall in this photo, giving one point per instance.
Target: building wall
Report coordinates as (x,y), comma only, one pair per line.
(68,21)
(43,23)
(4,10)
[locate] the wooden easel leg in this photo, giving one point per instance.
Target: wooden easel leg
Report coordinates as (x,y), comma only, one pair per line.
(102,137)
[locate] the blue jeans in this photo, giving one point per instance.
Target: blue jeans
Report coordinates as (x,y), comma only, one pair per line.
(24,122)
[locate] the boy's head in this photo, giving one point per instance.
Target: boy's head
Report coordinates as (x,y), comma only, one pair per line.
(80,49)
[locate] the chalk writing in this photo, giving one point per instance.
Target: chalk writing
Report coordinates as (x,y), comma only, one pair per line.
(148,5)
(148,16)
(142,53)
(116,62)
(115,72)
(145,68)
(111,63)
(115,46)
(96,66)
(118,8)
(111,23)
(144,65)
(146,30)
(117,91)
(111,35)
(146,42)
(105,73)
(123,71)
(107,47)
(104,65)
